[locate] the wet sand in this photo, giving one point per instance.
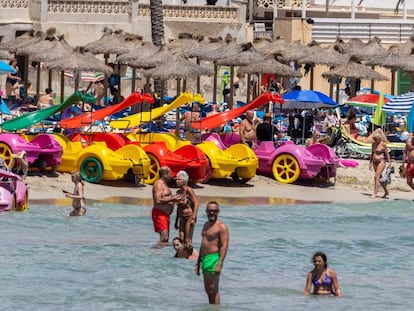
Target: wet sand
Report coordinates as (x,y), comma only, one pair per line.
(351,185)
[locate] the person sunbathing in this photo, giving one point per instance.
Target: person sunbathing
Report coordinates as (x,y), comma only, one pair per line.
(352,130)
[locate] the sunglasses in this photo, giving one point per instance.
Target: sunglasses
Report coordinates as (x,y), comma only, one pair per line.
(212,211)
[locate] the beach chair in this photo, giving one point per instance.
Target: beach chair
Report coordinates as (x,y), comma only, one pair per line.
(356,149)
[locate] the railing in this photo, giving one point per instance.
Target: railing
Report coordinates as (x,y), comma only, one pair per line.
(389,31)
(14,4)
(194,12)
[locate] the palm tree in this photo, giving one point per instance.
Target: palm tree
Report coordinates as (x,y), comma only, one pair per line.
(157,32)
(157,22)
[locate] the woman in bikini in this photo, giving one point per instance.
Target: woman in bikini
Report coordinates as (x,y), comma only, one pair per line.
(377,160)
(78,203)
(187,209)
(322,278)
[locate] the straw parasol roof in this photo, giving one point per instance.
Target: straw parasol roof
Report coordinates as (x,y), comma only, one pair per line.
(406,47)
(372,49)
(354,70)
(177,68)
(351,46)
(228,49)
(27,39)
(244,56)
(162,55)
(270,64)
(113,42)
(322,56)
(261,44)
(140,51)
(206,47)
(39,45)
(407,63)
(278,47)
(76,60)
(185,44)
(56,49)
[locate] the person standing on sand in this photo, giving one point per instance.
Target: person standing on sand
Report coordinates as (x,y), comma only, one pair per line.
(247,129)
(77,196)
(213,251)
(408,159)
(377,162)
(163,206)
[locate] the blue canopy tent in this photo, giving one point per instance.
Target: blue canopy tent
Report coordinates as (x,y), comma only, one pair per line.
(307,99)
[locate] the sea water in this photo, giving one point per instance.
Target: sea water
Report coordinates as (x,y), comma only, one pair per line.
(106,260)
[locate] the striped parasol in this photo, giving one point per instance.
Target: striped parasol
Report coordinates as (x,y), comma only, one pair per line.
(401,103)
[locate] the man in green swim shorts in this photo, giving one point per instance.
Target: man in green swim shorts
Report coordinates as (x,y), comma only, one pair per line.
(213,250)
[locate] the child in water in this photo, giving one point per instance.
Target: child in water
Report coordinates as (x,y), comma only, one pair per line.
(78,202)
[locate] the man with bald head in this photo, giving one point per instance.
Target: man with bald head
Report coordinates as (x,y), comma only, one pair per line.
(247,129)
(163,206)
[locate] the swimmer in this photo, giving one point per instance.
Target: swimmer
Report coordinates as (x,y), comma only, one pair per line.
(322,278)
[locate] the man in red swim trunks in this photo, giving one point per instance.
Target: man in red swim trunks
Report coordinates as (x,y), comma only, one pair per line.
(164,202)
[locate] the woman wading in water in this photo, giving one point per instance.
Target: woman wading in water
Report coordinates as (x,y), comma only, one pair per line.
(78,196)
(187,209)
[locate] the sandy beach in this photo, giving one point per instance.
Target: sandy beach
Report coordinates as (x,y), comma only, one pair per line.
(351,185)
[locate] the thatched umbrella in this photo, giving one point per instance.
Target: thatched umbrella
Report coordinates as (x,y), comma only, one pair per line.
(26,39)
(40,48)
(392,60)
(324,56)
(245,55)
(203,49)
(269,65)
(76,60)
(279,46)
(349,47)
(18,45)
(186,44)
(114,42)
(354,70)
(177,68)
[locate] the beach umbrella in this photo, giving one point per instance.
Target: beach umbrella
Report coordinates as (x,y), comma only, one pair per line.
(400,104)
(6,68)
(304,99)
(270,65)
(379,115)
(177,68)
(76,60)
(354,70)
(366,100)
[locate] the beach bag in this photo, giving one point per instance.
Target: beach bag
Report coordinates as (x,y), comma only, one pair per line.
(386,176)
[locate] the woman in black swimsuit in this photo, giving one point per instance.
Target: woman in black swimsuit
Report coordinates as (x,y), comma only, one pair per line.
(187,209)
(378,157)
(12,80)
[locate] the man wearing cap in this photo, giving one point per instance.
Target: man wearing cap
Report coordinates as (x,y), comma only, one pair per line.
(163,206)
(265,131)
